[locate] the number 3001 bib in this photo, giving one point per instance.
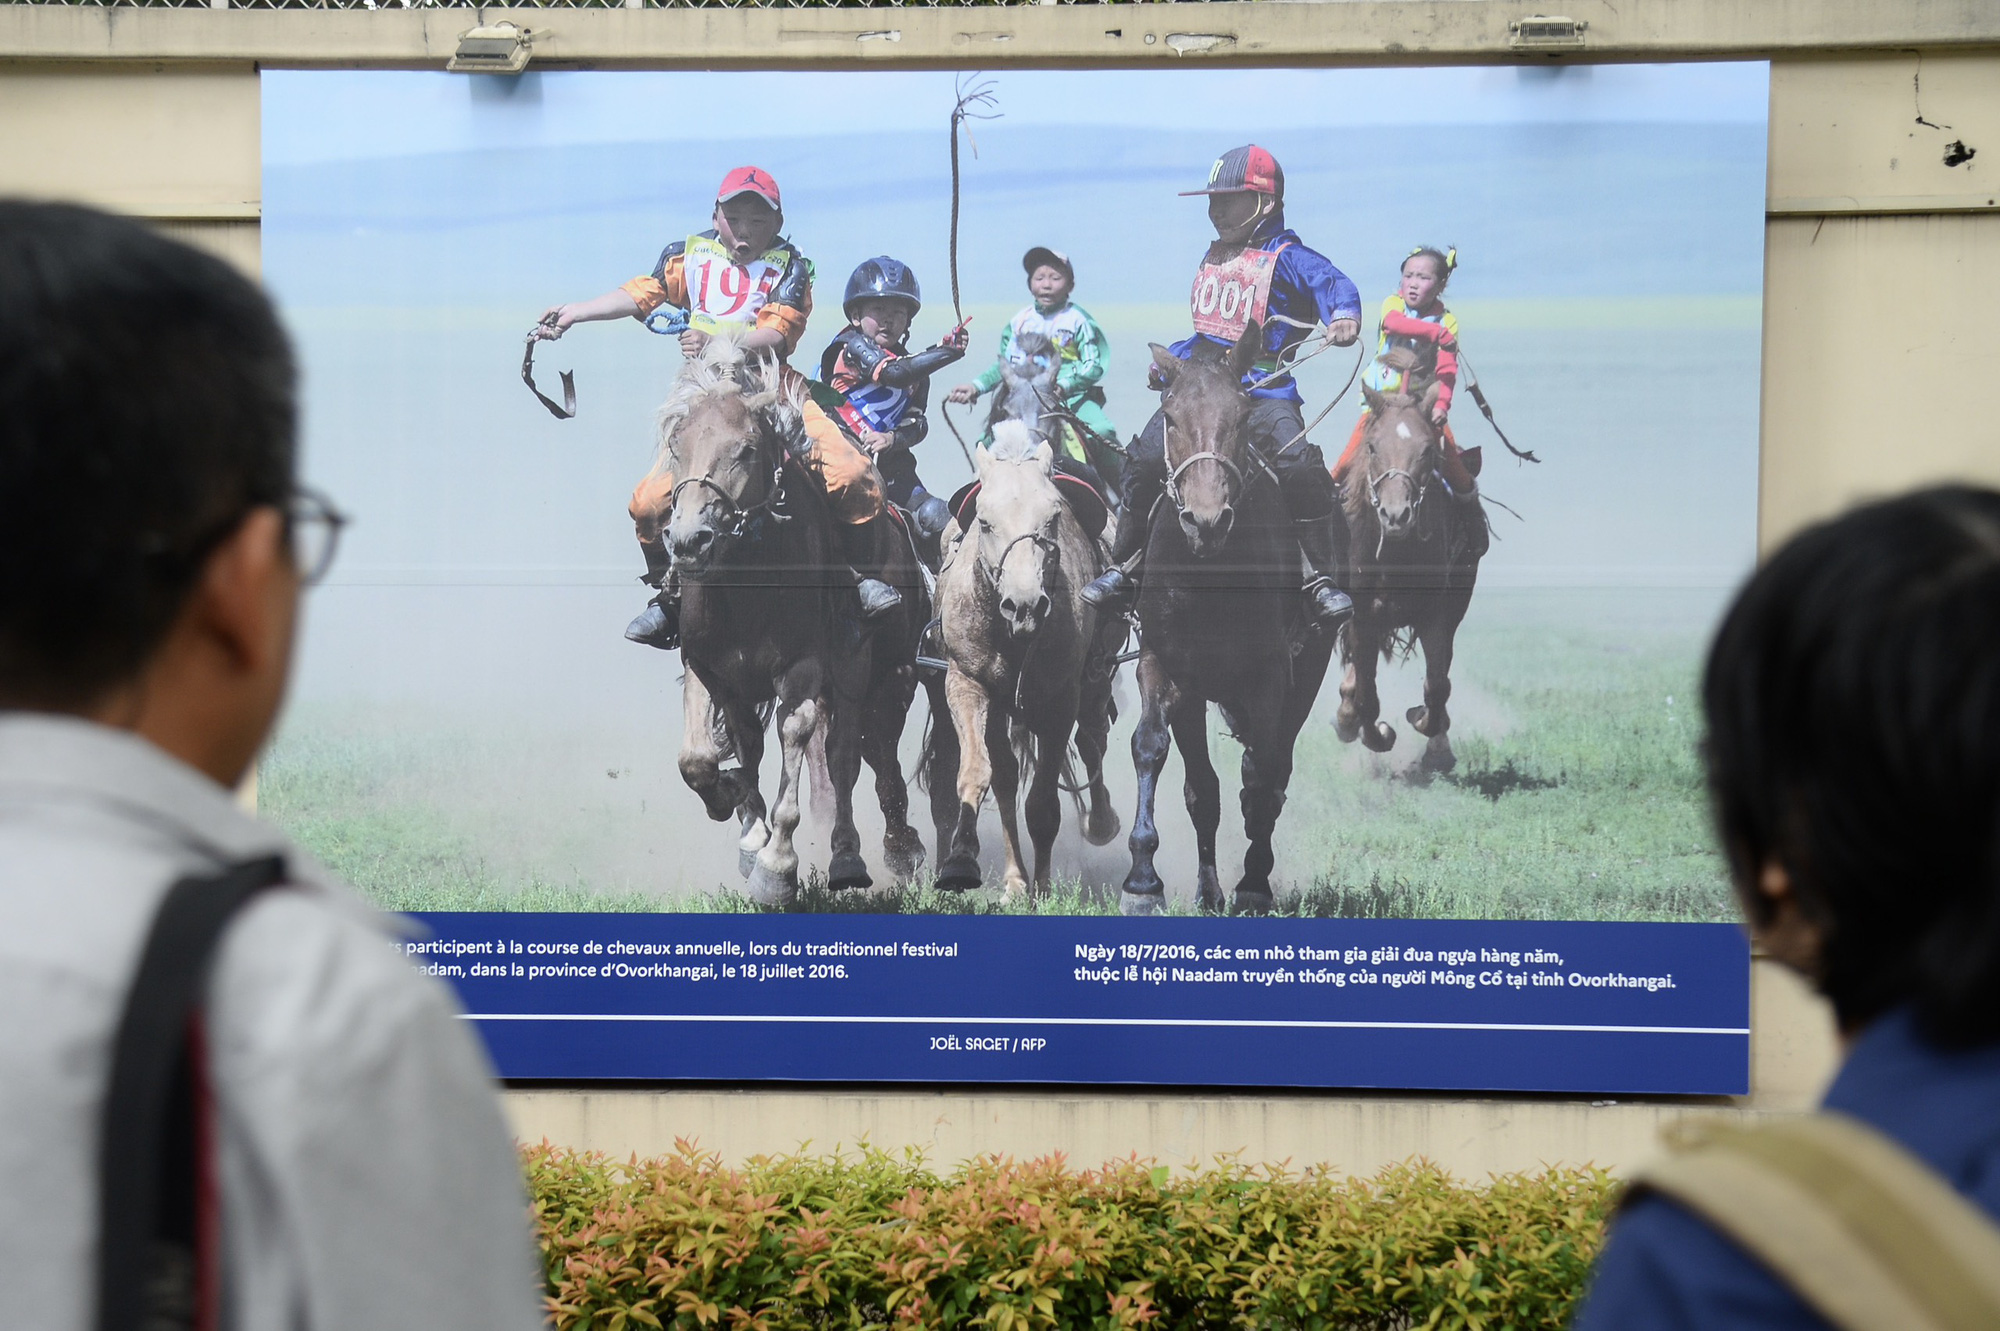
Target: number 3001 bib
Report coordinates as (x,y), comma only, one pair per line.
(1228,296)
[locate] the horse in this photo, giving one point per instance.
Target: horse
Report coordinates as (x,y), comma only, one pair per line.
(1027,393)
(1221,621)
(1028,661)
(765,630)
(1414,557)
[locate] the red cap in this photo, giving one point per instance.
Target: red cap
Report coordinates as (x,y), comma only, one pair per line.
(1247,168)
(749,180)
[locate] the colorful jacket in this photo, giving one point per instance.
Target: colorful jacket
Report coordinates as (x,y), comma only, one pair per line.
(883,389)
(1306,287)
(1086,352)
(772,291)
(1432,336)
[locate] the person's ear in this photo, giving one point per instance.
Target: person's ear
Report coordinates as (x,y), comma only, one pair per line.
(1781,927)
(248,593)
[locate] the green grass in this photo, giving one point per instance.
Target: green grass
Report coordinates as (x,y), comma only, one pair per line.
(1577,795)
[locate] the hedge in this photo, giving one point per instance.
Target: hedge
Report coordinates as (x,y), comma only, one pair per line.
(819,1242)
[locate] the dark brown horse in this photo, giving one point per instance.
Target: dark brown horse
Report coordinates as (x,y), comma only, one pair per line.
(1414,550)
(768,625)
(1219,621)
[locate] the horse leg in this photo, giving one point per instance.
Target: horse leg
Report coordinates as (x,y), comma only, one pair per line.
(774,880)
(942,773)
(701,750)
(1204,796)
(1093,737)
(1360,706)
(1006,794)
(1267,771)
(969,708)
(1144,893)
(846,868)
(889,707)
(746,736)
(1044,802)
(1438,635)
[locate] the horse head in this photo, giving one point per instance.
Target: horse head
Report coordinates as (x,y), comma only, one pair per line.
(1205,409)
(1017,530)
(722,432)
(1028,384)
(1399,451)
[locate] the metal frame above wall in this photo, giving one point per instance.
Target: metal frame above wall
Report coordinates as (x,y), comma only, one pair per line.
(724,35)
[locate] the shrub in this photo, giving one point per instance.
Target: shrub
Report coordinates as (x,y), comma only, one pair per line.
(810,1243)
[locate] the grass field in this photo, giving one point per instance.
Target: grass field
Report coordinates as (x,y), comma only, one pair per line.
(1577,796)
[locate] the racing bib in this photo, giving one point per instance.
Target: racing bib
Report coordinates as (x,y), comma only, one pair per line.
(724,294)
(1228,296)
(876,406)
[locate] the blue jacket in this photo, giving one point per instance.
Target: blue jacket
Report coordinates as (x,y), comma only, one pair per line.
(1665,1268)
(1304,286)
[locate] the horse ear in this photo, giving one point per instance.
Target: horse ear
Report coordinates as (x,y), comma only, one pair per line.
(1243,356)
(1045,457)
(1376,402)
(1166,362)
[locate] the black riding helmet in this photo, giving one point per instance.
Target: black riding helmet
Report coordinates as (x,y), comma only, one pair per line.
(882,278)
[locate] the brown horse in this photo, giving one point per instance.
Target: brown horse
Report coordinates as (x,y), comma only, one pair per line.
(1219,621)
(1414,551)
(768,624)
(1029,660)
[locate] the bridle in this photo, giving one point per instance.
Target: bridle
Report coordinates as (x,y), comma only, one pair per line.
(1045,544)
(1419,489)
(738,517)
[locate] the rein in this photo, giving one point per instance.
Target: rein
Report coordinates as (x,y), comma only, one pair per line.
(740,517)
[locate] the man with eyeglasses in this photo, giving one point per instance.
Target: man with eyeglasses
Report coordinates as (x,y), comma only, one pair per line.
(347,1162)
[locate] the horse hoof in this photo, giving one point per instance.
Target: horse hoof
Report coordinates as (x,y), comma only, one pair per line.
(1346,728)
(1251,901)
(1102,830)
(960,873)
(848,870)
(746,860)
(1438,757)
(1380,738)
(1141,903)
(767,888)
(902,854)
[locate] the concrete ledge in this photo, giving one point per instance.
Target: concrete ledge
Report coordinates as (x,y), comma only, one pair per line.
(1232,32)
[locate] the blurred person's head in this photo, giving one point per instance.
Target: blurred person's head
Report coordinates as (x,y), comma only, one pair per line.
(1853,700)
(147,429)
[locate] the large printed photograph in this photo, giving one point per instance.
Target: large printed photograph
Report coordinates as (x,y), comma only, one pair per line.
(1083,492)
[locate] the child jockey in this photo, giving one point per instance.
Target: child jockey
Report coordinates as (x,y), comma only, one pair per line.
(1415,319)
(1292,288)
(884,388)
(744,278)
(1084,349)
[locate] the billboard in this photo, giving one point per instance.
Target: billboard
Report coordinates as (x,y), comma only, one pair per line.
(1474,349)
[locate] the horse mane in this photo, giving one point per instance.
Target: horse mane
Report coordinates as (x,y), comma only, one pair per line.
(1012,441)
(725,367)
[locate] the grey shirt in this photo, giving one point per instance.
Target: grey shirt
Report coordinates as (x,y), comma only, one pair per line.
(367,1177)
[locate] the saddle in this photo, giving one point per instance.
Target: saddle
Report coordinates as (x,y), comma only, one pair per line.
(1085,503)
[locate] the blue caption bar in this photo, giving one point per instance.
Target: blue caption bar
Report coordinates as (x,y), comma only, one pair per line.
(1406,1004)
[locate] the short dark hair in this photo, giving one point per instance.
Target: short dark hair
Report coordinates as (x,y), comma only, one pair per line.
(146,406)
(1853,700)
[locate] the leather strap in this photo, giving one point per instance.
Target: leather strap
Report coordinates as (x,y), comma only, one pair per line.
(151,1241)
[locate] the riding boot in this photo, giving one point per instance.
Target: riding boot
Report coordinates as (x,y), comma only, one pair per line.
(659,624)
(857,545)
(1327,603)
(1117,588)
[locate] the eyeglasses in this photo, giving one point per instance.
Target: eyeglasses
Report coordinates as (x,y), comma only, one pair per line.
(313,524)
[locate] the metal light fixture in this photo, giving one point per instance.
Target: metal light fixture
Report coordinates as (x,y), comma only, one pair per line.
(501,48)
(1547,32)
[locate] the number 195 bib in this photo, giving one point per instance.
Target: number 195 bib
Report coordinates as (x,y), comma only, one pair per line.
(1227,297)
(723,294)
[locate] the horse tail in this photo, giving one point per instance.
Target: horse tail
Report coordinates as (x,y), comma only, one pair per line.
(926,753)
(1026,751)
(819,779)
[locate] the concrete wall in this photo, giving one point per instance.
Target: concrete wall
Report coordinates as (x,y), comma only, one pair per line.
(1882,279)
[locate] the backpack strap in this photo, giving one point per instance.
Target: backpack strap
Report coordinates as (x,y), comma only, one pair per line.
(151,1240)
(1858,1227)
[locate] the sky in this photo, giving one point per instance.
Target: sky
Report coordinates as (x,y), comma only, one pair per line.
(399,113)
